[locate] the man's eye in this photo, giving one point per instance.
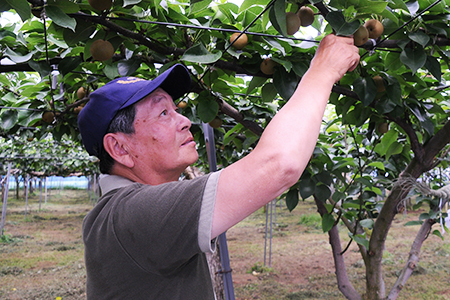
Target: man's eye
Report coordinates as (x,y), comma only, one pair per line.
(164,112)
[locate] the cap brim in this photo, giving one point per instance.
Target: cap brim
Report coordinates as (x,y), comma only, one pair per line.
(176,81)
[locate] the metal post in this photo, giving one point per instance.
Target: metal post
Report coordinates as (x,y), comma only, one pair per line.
(27,180)
(40,193)
(224,256)
(45,188)
(5,200)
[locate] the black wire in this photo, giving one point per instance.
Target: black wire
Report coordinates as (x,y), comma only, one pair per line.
(210,28)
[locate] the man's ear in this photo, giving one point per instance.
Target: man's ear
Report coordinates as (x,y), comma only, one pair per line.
(114,144)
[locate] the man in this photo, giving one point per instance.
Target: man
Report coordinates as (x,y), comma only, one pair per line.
(147,236)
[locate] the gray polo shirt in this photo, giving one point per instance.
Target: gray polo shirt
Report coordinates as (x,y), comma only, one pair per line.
(148,242)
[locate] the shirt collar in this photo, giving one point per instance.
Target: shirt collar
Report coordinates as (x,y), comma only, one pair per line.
(110,182)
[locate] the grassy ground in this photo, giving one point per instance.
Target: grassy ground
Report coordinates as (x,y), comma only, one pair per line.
(41,257)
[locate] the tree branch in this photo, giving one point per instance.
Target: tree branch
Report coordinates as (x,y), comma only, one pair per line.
(412,260)
(416,146)
(344,283)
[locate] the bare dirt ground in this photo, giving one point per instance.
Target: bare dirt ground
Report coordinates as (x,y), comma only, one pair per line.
(42,257)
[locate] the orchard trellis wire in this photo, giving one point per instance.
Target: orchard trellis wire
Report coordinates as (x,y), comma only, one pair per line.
(376,45)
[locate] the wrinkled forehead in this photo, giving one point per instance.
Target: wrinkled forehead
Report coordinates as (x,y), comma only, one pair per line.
(157,96)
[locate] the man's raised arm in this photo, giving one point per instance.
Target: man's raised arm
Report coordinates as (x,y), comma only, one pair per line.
(285,147)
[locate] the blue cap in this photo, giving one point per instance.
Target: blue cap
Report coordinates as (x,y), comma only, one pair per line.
(105,102)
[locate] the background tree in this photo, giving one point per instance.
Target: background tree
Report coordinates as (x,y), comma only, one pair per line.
(386,127)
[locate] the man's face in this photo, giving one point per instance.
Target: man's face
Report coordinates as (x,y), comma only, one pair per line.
(162,142)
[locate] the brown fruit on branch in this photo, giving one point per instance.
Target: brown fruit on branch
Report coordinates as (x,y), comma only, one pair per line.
(100,4)
(81,92)
(383,127)
(241,42)
(101,50)
(48,117)
(306,15)
(77,109)
(374,27)
(361,36)
(216,122)
(379,82)
(182,104)
(292,23)
(268,66)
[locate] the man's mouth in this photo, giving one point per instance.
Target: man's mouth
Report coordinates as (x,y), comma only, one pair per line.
(189,140)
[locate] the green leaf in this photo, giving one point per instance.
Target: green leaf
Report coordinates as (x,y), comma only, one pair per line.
(248,3)
(222,87)
(268,92)
(22,7)
(17,57)
(394,90)
(207,108)
(413,58)
(197,6)
(277,16)
(377,164)
(419,37)
(128,67)
(394,148)
(199,54)
(42,67)
(366,90)
(285,83)
(413,223)
(400,4)
(229,135)
(5,6)
(322,192)
(254,83)
(306,187)
(292,199)
(367,223)
(433,65)
(60,18)
(228,9)
(327,222)
(68,64)
(337,21)
(360,240)
(438,233)
(111,71)
(83,31)
(66,6)
(387,139)
(9,118)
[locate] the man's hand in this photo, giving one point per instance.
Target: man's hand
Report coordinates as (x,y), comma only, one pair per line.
(335,56)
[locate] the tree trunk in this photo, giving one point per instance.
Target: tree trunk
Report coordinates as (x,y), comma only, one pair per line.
(344,283)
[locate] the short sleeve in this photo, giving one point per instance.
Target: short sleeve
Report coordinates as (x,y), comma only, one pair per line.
(206,215)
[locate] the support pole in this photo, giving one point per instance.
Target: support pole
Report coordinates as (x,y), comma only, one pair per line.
(40,193)
(224,256)
(45,188)
(5,200)
(27,180)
